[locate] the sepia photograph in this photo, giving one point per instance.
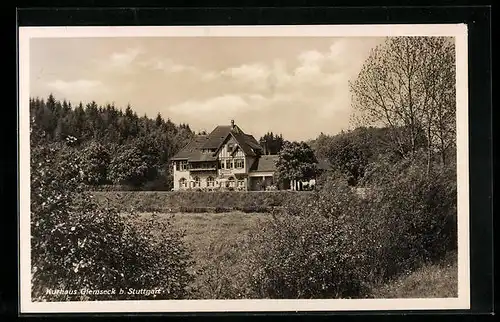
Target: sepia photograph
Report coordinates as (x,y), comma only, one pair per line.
(243,168)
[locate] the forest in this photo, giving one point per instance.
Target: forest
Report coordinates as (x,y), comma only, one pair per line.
(117,147)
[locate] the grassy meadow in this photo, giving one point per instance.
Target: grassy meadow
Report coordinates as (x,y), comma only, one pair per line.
(221,244)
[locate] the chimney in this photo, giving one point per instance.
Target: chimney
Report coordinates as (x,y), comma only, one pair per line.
(232,124)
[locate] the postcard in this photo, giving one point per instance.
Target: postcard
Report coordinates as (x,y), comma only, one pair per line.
(243,168)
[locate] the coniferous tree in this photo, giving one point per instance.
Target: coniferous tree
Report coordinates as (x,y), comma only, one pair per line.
(272,143)
(159,120)
(150,143)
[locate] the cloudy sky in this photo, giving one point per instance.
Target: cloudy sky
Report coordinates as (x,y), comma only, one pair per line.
(294,86)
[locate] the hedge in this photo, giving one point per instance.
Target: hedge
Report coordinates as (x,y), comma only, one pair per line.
(198,202)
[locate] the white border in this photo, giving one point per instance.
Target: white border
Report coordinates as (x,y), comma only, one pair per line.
(459,31)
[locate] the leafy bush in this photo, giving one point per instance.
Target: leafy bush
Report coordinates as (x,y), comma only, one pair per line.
(77,245)
(338,244)
(417,211)
(313,250)
(134,164)
(296,161)
(163,182)
(95,159)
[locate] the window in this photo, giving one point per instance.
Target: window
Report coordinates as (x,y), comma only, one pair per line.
(177,167)
(210,182)
(230,147)
(182,183)
(231,182)
(221,164)
(196,182)
(229,164)
(241,183)
(239,163)
(183,165)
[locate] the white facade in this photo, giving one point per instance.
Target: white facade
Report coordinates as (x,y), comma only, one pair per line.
(224,159)
(230,170)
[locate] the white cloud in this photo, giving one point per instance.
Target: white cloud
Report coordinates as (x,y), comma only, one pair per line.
(209,76)
(175,68)
(311,69)
(220,105)
(76,87)
(166,65)
(248,73)
(307,72)
(123,59)
(311,57)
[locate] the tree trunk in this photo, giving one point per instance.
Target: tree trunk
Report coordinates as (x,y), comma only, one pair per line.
(443,153)
(429,147)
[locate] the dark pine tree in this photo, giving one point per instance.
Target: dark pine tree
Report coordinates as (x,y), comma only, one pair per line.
(152,141)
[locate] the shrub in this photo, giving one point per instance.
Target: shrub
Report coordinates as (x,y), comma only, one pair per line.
(130,166)
(416,211)
(77,245)
(95,159)
(314,250)
(338,244)
(162,182)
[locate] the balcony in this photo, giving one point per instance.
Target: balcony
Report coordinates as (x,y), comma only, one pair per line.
(203,166)
(203,169)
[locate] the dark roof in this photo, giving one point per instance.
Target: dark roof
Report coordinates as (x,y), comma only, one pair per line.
(242,139)
(252,142)
(265,163)
(192,149)
(217,137)
(214,140)
(198,156)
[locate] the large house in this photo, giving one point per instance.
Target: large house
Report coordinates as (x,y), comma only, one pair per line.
(227,158)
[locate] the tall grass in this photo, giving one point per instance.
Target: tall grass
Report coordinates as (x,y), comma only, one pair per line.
(432,280)
(220,245)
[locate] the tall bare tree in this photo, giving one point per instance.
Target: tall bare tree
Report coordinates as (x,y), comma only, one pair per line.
(408,85)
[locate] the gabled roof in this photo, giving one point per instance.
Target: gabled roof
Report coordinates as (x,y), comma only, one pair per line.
(217,137)
(192,149)
(252,142)
(265,163)
(242,140)
(215,140)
